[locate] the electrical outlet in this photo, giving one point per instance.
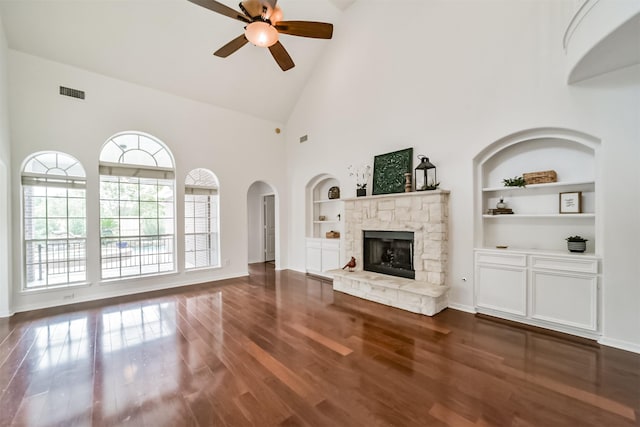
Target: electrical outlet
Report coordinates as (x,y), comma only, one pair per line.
(69,296)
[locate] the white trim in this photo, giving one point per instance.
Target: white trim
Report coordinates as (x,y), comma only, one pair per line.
(125,292)
(620,344)
(6,314)
(462,307)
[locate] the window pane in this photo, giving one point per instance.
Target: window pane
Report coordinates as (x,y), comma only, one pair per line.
(148,192)
(35,228)
(109,227)
(189,225)
(166,226)
(129,209)
(77,227)
(109,208)
(77,208)
(149,227)
(129,227)
(202,225)
(129,191)
(57,228)
(56,207)
(165,210)
(148,209)
(36,207)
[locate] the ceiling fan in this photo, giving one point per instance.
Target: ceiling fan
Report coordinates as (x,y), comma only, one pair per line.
(264,24)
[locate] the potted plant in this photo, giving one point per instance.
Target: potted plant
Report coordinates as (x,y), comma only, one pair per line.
(576,243)
(516,181)
(361,176)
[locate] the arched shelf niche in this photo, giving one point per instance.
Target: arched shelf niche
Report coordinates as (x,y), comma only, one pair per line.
(537,223)
(324,225)
(324,214)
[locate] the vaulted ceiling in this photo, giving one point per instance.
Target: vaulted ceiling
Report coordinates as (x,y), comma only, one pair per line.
(168,45)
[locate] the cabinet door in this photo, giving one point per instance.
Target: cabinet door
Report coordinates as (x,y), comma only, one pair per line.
(502,288)
(314,258)
(565,298)
(330,258)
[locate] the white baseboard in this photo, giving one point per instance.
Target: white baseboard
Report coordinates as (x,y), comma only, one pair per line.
(620,344)
(463,307)
(4,314)
(120,293)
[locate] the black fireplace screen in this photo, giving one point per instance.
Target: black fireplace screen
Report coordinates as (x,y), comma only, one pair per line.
(389,252)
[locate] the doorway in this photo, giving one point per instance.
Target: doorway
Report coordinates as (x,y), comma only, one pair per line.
(262,220)
(269,221)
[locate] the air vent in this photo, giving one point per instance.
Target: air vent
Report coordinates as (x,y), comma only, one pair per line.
(74,93)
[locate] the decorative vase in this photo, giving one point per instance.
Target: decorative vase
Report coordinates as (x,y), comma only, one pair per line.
(501,204)
(361,192)
(407,183)
(577,246)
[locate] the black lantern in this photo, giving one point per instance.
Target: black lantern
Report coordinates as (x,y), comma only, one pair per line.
(425,175)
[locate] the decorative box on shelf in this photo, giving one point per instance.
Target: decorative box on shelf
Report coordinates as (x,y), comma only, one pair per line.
(543,177)
(500,211)
(332,234)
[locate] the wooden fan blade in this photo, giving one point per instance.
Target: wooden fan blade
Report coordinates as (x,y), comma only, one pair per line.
(271,3)
(221,9)
(316,30)
(281,56)
(231,47)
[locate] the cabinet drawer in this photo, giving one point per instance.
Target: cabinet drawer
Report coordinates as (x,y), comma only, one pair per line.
(514,260)
(576,265)
(314,243)
(333,244)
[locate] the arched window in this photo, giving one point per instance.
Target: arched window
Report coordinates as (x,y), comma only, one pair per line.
(54,220)
(201,220)
(137,233)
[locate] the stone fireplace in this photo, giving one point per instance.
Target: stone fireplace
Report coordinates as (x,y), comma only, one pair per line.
(425,215)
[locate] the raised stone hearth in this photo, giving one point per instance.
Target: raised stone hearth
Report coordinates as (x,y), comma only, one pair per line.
(426,215)
(407,294)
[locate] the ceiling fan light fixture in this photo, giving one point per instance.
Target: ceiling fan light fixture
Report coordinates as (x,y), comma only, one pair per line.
(276,16)
(261,34)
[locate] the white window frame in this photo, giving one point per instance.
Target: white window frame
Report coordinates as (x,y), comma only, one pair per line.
(201,186)
(124,253)
(62,256)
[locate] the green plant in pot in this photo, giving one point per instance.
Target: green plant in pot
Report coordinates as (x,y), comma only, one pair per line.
(516,181)
(576,243)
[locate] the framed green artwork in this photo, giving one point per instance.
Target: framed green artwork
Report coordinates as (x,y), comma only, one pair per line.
(389,170)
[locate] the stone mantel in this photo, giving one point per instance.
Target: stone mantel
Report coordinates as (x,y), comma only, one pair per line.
(426,214)
(397,195)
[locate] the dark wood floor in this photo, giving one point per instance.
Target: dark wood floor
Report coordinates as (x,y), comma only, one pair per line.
(284,349)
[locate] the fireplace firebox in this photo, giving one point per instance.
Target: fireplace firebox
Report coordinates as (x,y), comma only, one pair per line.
(389,252)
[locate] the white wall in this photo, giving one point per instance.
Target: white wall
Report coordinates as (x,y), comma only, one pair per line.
(255,220)
(449,79)
(5,200)
(238,148)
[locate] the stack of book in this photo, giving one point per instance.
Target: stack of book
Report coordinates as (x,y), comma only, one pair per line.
(500,211)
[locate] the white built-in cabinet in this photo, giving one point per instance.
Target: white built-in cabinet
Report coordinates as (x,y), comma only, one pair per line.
(547,289)
(523,270)
(324,215)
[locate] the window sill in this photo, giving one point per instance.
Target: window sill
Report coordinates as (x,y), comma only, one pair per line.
(127,279)
(199,269)
(31,291)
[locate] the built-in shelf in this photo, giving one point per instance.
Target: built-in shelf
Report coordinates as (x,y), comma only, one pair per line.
(326,222)
(564,216)
(537,186)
